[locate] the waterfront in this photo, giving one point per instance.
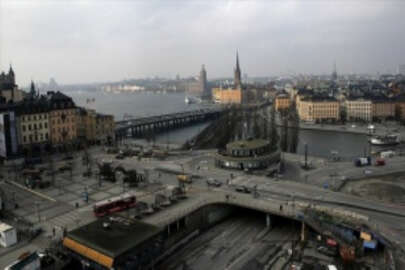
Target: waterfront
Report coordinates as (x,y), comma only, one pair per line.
(320,143)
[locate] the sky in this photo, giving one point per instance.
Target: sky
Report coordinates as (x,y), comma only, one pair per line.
(103,40)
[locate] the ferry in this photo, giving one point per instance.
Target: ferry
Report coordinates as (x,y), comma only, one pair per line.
(191,100)
(390,139)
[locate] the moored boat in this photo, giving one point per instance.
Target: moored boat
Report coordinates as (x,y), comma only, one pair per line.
(390,139)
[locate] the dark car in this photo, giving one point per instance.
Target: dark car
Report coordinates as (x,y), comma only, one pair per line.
(120,156)
(213,182)
(243,189)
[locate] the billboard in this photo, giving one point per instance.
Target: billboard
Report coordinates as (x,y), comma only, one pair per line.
(3,148)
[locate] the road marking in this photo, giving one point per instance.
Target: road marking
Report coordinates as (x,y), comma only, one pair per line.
(32,191)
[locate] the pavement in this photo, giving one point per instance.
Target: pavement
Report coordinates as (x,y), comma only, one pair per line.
(60,210)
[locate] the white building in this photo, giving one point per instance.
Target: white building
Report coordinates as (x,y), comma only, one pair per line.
(8,235)
(358,109)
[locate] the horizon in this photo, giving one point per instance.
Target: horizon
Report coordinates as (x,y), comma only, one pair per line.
(85,42)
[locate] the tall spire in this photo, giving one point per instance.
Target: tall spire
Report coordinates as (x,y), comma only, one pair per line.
(334,73)
(237,61)
(237,75)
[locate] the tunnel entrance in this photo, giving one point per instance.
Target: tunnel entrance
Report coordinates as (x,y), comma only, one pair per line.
(230,237)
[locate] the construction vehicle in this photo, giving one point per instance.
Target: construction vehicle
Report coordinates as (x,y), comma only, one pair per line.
(184,178)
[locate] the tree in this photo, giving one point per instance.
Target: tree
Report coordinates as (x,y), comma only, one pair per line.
(293,124)
(274,138)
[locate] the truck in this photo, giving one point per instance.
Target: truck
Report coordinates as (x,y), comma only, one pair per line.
(362,161)
(184,178)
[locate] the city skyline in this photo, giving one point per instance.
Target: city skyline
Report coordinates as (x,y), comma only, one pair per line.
(88,41)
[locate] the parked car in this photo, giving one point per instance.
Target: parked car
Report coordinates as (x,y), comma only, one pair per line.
(213,182)
(243,189)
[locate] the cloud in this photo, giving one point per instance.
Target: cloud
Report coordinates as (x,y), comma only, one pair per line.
(84,41)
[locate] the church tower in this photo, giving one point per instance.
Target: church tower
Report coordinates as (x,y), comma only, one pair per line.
(237,74)
(205,92)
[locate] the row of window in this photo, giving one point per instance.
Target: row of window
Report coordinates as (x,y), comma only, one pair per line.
(34,117)
(31,138)
(34,126)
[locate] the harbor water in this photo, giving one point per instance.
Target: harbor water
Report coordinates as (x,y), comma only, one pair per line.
(320,143)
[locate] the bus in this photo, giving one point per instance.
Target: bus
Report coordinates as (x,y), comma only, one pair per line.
(115,204)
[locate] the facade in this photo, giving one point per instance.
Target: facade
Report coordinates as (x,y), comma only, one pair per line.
(247,154)
(318,109)
(105,128)
(33,122)
(358,109)
(93,127)
(227,96)
(282,102)
(383,109)
(62,118)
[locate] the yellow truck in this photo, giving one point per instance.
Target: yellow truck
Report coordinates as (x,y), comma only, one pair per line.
(185,178)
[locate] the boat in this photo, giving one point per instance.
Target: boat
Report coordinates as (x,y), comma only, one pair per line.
(191,100)
(390,139)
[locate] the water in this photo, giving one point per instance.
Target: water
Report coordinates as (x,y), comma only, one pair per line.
(320,143)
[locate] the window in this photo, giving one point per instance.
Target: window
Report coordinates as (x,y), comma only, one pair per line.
(46,136)
(35,117)
(25,139)
(45,125)
(29,126)
(35,126)
(40,125)
(23,128)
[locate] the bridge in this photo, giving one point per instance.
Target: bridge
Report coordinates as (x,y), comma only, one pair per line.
(141,127)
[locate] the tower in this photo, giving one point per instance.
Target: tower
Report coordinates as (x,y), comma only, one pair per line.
(237,74)
(205,93)
(11,75)
(334,73)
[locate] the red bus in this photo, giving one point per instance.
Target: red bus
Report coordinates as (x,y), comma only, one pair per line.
(115,204)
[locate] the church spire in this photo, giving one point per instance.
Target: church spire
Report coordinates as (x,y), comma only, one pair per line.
(237,77)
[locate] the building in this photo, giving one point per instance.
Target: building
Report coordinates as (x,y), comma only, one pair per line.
(115,243)
(282,102)
(202,80)
(62,118)
(247,154)
(235,95)
(9,91)
(315,108)
(383,108)
(9,144)
(105,128)
(94,127)
(33,122)
(358,109)
(227,96)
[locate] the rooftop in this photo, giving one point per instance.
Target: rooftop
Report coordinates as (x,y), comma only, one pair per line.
(120,236)
(247,144)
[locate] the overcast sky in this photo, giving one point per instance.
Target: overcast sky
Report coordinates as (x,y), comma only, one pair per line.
(88,41)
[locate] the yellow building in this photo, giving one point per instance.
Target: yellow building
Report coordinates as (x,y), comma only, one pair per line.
(93,127)
(62,118)
(383,109)
(358,109)
(33,122)
(282,102)
(227,96)
(318,109)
